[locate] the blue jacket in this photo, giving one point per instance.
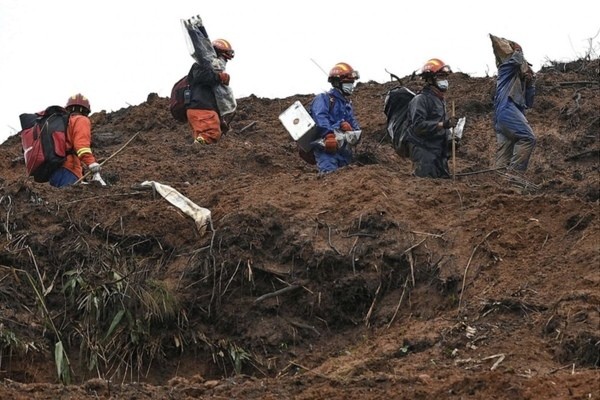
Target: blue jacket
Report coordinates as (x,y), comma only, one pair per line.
(510,87)
(330,109)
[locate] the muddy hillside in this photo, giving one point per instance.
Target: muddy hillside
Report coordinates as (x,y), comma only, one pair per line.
(365,283)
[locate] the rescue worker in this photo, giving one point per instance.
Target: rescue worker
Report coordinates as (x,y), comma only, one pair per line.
(202,111)
(79,138)
(515,91)
(428,125)
(332,111)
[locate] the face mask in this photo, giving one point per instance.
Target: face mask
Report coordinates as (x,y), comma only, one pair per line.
(442,84)
(347,88)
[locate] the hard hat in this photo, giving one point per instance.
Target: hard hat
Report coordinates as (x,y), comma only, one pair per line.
(435,66)
(343,72)
(223,47)
(79,100)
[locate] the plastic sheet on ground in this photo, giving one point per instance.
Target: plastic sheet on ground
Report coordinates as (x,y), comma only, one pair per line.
(201,215)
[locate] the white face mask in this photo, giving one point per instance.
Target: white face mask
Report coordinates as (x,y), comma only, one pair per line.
(347,88)
(442,84)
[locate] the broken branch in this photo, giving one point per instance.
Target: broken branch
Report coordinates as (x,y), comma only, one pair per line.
(500,357)
(250,125)
(303,326)
(413,246)
(595,152)
(399,302)
(574,83)
(480,172)
(329,241)
(276,293)
(372,305)
(462,290)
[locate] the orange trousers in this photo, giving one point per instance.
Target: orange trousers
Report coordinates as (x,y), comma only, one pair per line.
(205,124)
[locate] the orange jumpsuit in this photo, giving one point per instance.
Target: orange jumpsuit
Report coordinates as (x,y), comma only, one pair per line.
(202,111)
(79,139)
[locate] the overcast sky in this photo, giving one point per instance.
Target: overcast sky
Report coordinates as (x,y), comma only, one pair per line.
(117,52)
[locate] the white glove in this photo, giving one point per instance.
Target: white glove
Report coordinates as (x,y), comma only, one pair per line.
(195,21)
(94,167)
(352,137)
(98,178)
(460,126)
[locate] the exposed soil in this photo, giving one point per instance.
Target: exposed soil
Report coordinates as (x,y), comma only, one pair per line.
(396,287)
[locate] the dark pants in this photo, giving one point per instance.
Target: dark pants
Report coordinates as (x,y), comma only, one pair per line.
(428,163)
(62,177)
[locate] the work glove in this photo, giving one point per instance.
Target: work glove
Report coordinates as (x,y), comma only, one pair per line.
(194,22)
(224,78)
(94,168)
(352,137)
(330,143)
(97,178)
(529,76)
(345,126)
(450,123)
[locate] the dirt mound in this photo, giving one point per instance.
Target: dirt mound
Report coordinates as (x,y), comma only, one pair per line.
(366,283)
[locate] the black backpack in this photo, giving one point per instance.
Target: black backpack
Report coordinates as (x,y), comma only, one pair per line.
(44,141)
(180,99)
(395,108)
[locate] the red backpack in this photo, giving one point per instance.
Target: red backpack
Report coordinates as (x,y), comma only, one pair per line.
(180,99)
(44,141)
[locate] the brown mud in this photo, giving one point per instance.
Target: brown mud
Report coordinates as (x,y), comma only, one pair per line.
(365,283)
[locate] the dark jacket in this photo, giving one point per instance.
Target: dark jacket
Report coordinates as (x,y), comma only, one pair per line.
(203,79)
(428,145)
(425,110)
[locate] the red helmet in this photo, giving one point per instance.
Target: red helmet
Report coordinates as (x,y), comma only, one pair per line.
(343,72)
(79,100)
(223,48)
(435,66)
